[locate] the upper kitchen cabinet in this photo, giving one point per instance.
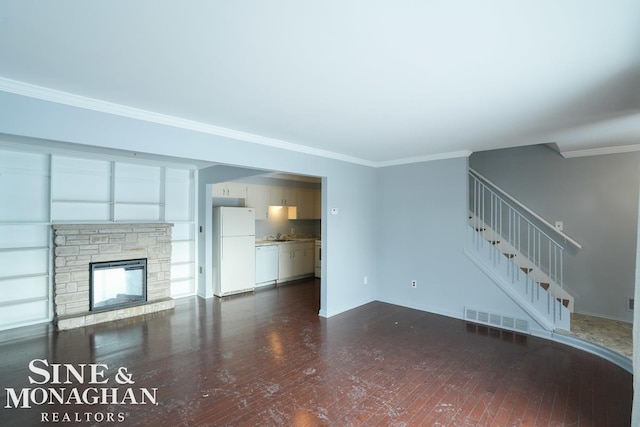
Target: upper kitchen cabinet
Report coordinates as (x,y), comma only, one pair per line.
(283,196)
(258,197)
(307,204)
(318,204)
(236,190)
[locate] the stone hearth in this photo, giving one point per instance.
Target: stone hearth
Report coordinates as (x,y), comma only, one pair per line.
(77,245)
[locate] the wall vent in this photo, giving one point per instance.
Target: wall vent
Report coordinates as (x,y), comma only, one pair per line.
(497,320)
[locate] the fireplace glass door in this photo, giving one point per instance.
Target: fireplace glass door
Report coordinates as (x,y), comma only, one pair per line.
(117,284)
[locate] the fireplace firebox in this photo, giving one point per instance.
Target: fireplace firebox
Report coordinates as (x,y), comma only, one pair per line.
(117,284)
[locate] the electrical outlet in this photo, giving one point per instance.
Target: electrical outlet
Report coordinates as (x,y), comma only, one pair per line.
(293,231)
(366,280)
(414,283)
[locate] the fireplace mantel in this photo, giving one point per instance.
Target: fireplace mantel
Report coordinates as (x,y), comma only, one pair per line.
(77,245)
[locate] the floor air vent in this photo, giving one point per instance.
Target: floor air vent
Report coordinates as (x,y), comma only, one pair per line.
(471,314)
(509,322)
(497,320)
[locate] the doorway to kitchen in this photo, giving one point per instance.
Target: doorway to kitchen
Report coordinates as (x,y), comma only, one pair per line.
(288,230)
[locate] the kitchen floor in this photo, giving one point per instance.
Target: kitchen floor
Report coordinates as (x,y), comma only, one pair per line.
(613,334)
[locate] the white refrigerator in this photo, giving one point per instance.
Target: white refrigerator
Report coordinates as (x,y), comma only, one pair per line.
(234,251)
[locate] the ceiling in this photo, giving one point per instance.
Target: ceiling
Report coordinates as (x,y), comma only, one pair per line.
(377,82)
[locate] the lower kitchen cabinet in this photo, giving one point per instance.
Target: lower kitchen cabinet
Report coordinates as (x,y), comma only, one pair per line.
(295,260)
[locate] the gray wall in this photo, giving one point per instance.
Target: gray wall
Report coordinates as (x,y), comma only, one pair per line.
(348,238)
(597,199)
(422,222)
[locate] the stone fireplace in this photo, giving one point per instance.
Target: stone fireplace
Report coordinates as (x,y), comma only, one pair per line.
(78,248)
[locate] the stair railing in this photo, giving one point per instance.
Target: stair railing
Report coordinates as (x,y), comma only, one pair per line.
(511,224)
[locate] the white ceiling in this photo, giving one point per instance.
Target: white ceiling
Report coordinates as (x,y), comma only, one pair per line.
(375,80)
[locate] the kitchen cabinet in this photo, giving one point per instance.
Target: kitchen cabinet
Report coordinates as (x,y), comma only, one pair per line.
(318,204)
(286,255)
(295,260)
(308,259)
(234,190)
(258,197)
(283,196)
(307,204)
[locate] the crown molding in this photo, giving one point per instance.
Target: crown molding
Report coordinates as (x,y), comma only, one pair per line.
(427,158)
(78,101)
(600,151)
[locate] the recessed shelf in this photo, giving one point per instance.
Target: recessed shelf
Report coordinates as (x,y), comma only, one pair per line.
(23,301)
(88,202)
(24,276)
(182,279)
(24,248)
(139,203)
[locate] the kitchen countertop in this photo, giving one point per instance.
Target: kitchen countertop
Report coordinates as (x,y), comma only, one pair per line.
(291,240)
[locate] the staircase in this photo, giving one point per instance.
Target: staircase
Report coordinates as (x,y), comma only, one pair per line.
(520,251)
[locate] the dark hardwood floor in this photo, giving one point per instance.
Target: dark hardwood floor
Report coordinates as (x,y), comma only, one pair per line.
(267,359)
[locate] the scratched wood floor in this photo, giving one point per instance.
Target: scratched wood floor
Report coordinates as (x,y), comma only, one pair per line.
(268,360)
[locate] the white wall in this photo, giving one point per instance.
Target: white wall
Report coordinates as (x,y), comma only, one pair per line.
(348,238)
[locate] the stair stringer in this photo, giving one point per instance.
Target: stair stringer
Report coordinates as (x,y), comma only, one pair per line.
(528,295)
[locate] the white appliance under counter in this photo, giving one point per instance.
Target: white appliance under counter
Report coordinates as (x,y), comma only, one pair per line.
(266,264)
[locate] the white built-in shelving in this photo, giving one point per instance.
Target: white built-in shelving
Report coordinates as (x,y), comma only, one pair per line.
(40,188)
